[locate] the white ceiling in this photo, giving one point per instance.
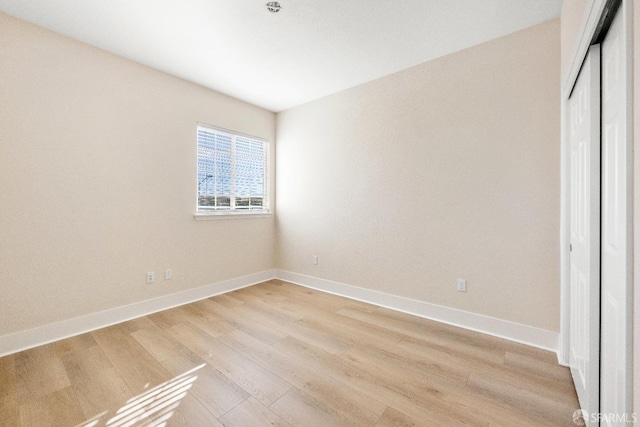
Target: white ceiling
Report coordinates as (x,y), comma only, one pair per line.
(308,50)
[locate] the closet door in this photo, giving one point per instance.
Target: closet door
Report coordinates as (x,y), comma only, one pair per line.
(584,259)
(615,294)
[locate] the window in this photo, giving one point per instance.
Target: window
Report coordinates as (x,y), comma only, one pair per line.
(232,170)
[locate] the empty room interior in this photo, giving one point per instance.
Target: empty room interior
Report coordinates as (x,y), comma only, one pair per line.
(304,213)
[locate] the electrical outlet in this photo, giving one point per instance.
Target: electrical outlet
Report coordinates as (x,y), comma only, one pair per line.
(151,277)
(462,285)
(315,260)
(168,274)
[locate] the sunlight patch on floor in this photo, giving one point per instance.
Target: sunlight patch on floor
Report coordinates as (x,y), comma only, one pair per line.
(158,402)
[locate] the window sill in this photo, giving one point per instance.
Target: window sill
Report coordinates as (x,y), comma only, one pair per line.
(208,216)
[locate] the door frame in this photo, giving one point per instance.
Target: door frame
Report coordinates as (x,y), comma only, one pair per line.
(592,30)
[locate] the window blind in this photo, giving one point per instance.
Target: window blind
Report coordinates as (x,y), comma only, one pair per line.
(231,171)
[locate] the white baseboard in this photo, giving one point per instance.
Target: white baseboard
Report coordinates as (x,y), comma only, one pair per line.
(536,337)
(46,334)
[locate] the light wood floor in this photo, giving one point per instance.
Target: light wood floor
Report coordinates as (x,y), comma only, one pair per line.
(277,354)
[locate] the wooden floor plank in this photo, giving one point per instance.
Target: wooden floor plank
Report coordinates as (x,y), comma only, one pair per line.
(447,396)
(73,344)
(472,345)
(213,390)
(184,410)
(39,371)
(327,301)
(550,388)
(278,312)
(9,383)
(287,323)
(241,321)
(167,403)
(350,330)
(255,380)
(539,367)
(209,323)
(291,325)
(135,365)
(526,399)
(252,413)
(60,408)
(259,317)
(97,384)
(375,386)
(9,409)
(393,418)
(167,318)
(162,346)
(300,409)
(137,324)
(340,396)
(228,300)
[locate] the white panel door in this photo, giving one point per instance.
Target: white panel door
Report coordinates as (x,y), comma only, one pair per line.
(584,259)
(615,314)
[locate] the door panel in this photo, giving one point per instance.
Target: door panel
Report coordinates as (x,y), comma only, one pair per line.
(615,316)
(584,259)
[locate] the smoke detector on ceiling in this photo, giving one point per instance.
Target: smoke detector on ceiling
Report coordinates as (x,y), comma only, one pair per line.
(273,7)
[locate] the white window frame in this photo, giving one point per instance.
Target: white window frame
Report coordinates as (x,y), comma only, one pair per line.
(205,213)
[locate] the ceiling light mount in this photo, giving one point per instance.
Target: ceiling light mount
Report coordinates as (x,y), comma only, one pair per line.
(273,7)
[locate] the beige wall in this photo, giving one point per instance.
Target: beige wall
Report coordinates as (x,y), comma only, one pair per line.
(97,173)
(447,170)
